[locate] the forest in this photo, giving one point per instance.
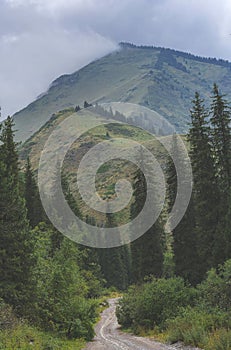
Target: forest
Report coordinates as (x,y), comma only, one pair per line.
(191,300)
(175,286)
(49,286)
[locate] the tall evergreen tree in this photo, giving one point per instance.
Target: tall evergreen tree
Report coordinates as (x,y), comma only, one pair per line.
(221,143)
(221,138)
(114,261)
(72,202)
(89,261)
(184,238)
(57,237)
(15,242)
(9,150)
(146,251)
(205,189)
(35,212)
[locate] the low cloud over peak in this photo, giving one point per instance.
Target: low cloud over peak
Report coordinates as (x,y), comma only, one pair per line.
(40,39)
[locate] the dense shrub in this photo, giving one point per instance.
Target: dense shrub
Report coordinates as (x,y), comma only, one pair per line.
(153,303)
(195,326)
(219,340)
(199,317)
(216,289)
(7,317)
(61,301)
(24,337)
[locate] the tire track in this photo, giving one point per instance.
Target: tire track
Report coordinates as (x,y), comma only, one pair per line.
(109,337)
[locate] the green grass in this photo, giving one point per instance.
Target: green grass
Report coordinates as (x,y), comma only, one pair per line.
(23,337)
(17,334)
(110,172)
(195,327)
(129,75)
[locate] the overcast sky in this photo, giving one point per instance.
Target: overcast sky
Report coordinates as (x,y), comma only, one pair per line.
(42,39)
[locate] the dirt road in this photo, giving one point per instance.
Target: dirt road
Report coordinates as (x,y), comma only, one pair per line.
(109,337)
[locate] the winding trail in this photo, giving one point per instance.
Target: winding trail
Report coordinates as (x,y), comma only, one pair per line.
(109,337)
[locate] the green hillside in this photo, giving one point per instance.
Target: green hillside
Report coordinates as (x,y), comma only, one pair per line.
(161,79)
(110,172)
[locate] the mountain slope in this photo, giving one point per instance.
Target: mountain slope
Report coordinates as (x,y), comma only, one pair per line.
(161,79)
(108,173)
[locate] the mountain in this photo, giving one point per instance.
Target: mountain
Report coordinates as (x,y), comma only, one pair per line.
(109,130)
(163,80)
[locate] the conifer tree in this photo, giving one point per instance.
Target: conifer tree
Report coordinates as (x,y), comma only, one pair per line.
(86,104)
(146,251)
(221,143)
(221,138)
(35,213)
(114,261)
(72,202)
(184,238)
(15,241)
(205,190)
(171,173)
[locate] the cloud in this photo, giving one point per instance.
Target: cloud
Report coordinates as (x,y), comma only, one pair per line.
(35,51)
(29,62)
(40,39)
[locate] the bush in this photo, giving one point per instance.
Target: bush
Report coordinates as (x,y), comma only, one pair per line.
(216,289)
(200,328)
(61,300)
(154,303)
(199,317)
(77,322)
(192,326)
(126,307)
(7,318)
(23,337)
(220,340)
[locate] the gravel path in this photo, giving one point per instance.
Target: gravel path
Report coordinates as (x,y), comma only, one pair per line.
(109,337)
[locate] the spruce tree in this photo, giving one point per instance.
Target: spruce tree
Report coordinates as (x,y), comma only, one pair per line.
(184,238)
(72,201)
(147,250)
(114,261)
(15,241)
(205,189)
(57,237)
(221,144)
(35,212)
(221,138)
(171,173)
(9,150)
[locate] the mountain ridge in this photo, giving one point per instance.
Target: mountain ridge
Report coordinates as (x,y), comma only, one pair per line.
(161,79)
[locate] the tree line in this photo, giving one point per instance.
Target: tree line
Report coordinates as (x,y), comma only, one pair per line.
(186,55)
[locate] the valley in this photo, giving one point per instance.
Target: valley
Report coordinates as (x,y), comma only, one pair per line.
(174,278)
